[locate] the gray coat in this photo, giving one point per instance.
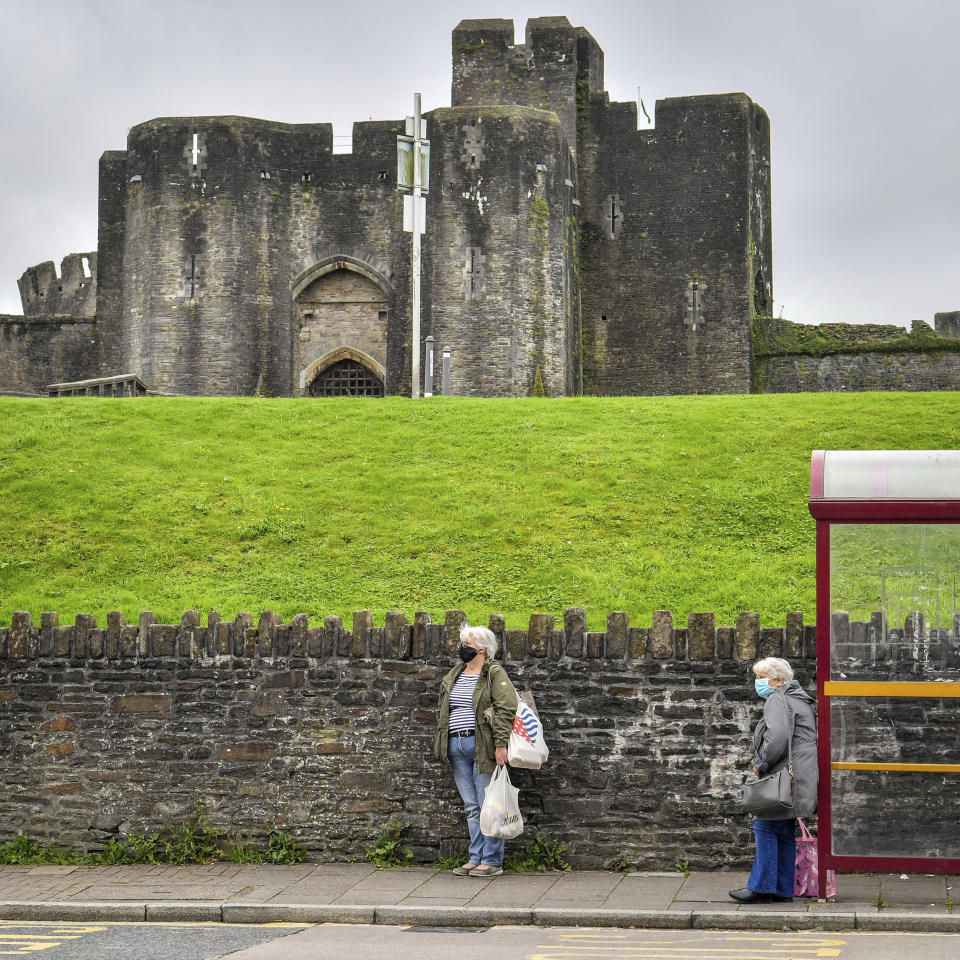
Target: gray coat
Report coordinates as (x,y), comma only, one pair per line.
(789,706)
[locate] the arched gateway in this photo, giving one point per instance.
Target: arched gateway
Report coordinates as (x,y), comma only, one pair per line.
(343,372)
(341,309)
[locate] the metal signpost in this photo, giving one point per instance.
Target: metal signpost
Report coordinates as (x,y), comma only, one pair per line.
(413,180)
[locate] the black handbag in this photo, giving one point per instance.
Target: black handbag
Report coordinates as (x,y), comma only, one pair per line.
(772,796)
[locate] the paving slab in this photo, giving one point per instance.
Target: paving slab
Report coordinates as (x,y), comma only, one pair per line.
(860,887)
(444,884)
(596,882)
(924,890)
(710,887)
(833,906)
(434,902)
(510,890)
(648,893)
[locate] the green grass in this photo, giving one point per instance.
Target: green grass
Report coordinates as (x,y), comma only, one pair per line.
(490,506)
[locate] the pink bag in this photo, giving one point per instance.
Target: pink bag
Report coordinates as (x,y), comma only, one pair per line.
(805,881)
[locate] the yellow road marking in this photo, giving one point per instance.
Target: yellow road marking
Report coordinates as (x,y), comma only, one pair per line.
(607,946)
(28,948)
(60,931)
(658,954)
(67,925)
(15,937)
(797,940)
(684,949)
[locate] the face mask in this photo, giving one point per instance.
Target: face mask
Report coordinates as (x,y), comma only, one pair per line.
(467,653)
(762,686)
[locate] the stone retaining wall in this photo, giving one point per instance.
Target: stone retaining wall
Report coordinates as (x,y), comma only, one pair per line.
(327,732)
(799,373)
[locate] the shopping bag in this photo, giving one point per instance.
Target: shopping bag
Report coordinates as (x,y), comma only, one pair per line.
(805,882)
(500,813)
(527,747)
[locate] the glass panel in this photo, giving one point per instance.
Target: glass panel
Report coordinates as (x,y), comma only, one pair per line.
(893,591)
(886,813)
(892,474)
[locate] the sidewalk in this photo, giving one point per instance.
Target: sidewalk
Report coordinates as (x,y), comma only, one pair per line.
(424,896)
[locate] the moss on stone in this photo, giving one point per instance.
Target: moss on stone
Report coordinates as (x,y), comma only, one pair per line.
(775,337)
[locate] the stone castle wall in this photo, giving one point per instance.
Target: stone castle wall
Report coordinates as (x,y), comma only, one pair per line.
(218,254)
(72,293)
(40,349)
(796,358)
(666,289)
(498,252)
(860,371)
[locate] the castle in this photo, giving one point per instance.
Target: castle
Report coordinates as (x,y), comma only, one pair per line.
(566,251)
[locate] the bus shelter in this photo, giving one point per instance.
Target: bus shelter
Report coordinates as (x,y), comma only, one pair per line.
(888,659)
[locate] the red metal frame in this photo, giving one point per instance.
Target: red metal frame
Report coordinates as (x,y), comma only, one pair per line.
(826,512)
(885,511)
(824,833)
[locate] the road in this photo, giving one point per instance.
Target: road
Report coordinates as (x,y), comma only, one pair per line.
(211,941)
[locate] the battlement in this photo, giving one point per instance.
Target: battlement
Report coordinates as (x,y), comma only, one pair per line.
(73,292)
(556,67)
(947,324)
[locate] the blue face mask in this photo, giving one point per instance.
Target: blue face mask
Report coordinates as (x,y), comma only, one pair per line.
(762,686)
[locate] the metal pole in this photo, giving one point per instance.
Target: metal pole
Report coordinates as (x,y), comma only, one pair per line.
(415,345)
(445,381)
(428,367)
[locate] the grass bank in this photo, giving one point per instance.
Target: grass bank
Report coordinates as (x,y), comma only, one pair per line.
(506,506)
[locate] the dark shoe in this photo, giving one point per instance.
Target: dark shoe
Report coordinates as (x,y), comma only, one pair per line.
(746,895)
(777,899)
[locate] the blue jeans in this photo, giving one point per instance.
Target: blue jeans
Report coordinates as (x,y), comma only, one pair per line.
(775,864)
(472,785)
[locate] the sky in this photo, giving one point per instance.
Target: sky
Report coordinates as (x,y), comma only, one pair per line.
(861,94)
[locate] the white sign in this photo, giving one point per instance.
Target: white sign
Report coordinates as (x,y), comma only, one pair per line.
(408,200)
(405,151)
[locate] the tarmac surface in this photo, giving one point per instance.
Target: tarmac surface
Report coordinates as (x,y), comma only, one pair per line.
(425,896)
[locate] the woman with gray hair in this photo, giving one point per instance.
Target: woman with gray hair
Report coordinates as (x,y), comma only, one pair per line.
(789,726)
(472,744)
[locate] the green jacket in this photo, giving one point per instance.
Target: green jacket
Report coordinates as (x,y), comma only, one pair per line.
(493,679)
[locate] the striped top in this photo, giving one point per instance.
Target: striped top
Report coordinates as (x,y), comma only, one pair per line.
(462,716)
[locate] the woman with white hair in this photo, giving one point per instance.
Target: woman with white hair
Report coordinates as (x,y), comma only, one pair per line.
(471,743)
(788,727)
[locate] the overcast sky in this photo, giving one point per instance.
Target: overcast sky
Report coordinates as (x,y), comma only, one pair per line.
(862,97)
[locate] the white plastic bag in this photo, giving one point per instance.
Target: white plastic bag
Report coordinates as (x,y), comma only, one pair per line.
(500,813)
(527,747)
